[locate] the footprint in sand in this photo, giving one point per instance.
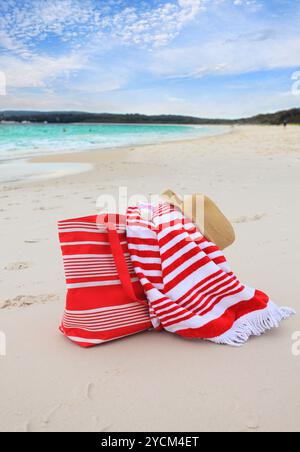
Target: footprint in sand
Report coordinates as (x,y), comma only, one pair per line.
(48,417)
(245,219)
(17,266)
(90,391)
(23,301)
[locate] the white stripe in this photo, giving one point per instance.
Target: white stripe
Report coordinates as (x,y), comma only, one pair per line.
(88,243)
(228,288)
(134,310)
(173,242)
(107,322)
(175,316)
(172,312)
(91,265)
(76,228)
(115,327)
(86,263)
(168,230)
(97,284)
(167,262)
(89,224)
(138,222)
(205,245)
(106,308)
(158,305)
(143,247)
(81,225)
(84,256)
(145,260)
(198,321)
(89,261)
(136,232)
(215,255)
(206,295)
(86,268)
(94,341)
(109,319)
(169,216)
(192,280)
(81,340)
(190,226)
(148,272)
(91,231)
(103,270)
(91,276)
(196,236)
(210,281)
(169,278)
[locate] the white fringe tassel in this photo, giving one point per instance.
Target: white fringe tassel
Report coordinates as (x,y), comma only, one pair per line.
(254,324)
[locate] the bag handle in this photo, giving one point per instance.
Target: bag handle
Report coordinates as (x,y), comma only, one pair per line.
(118,255)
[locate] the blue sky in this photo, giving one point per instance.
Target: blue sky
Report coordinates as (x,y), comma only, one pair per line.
(212,58)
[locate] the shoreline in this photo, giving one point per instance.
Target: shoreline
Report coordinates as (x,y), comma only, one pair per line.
(52,158)
(70,156)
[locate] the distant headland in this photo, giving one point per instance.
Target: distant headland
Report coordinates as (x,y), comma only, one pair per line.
(66,117)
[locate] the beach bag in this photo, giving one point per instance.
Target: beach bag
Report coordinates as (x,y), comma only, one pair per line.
(105,300)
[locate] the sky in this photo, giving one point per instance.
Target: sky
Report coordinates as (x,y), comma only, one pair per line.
(208,58)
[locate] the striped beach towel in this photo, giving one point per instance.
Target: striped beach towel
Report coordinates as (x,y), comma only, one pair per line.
(105,300)
(190,287)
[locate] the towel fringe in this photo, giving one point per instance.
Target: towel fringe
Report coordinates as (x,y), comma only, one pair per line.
(254,324)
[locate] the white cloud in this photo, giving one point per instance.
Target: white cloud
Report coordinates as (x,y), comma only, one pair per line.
(73,20)
(227,56)
(84,26)
(39,71)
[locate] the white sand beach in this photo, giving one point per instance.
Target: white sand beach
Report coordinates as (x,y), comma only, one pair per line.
(154,381)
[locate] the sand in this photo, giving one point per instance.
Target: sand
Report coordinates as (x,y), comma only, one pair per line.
(154,381)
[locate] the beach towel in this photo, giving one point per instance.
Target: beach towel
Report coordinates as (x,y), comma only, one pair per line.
(105,300)
(190,287)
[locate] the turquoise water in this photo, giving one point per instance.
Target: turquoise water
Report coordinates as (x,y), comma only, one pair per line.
(19,142)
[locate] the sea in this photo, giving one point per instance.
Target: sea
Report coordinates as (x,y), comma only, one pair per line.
(21,142)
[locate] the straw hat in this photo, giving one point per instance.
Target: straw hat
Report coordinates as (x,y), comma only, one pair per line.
(206,215)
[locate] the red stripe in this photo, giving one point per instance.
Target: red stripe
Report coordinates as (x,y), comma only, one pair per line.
(223,295)
(182,319)
(144,241)
(181,260)
(210,249)
(188,272)
(196,308)
(172,235)
(175,248)
(204,288)
(219,260)
(142,253)
(225,322)
(146,266)
(200,284)
(92,279)
(151,279)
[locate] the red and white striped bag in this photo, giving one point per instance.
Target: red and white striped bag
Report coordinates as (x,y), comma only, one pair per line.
(105,299)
